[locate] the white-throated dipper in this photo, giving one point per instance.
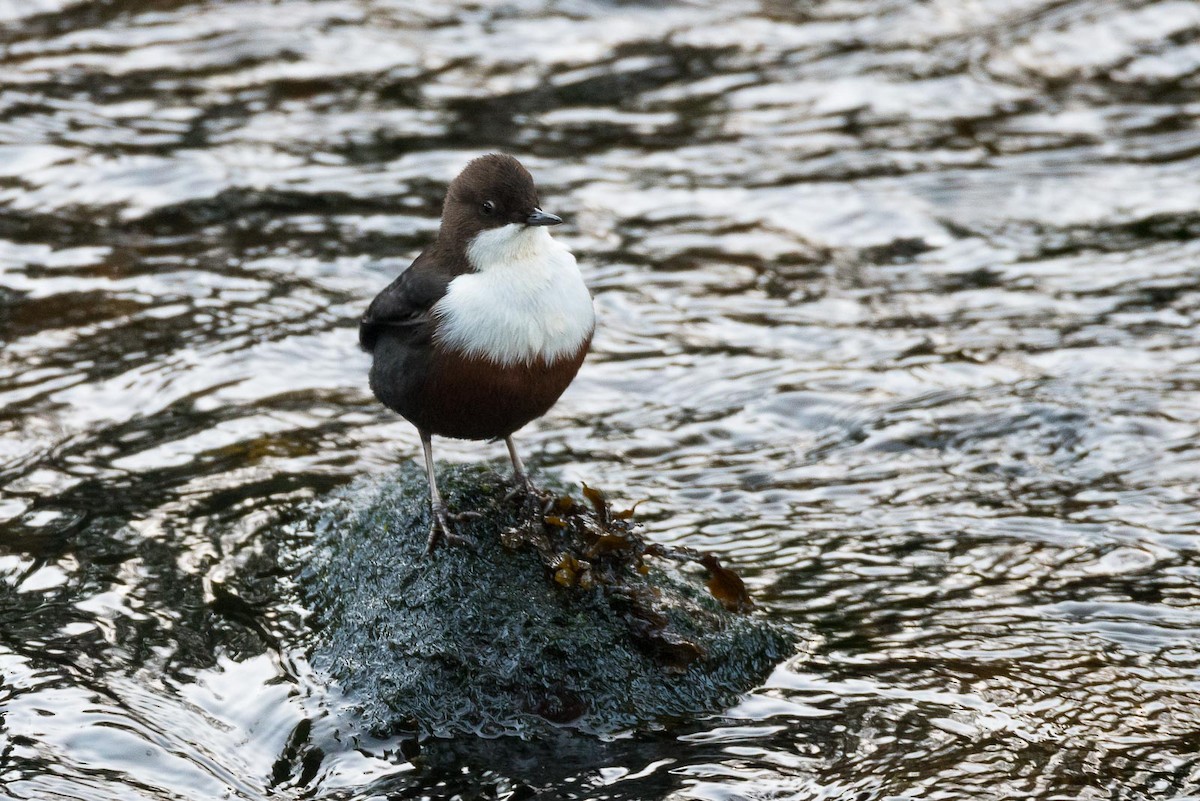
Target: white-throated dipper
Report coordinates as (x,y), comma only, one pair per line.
(487,327)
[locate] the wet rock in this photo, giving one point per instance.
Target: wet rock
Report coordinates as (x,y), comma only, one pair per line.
(559,616)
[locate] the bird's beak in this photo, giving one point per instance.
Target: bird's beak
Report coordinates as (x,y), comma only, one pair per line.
(540,217)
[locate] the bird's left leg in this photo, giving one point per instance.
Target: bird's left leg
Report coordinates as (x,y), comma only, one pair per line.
(537,503)
(518,468)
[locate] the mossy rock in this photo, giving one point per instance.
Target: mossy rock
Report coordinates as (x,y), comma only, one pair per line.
(483,640)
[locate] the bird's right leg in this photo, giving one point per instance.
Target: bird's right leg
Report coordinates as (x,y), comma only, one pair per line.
(440,528)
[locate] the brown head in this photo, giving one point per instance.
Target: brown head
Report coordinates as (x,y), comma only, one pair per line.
(491,192)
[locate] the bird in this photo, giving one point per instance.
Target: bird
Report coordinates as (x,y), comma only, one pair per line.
(486,328)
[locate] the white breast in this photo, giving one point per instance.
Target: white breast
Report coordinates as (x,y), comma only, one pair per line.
(526,299)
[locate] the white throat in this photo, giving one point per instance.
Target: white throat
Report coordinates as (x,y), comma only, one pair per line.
(526,299)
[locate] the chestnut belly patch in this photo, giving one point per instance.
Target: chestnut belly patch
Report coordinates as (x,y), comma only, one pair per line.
(471,397)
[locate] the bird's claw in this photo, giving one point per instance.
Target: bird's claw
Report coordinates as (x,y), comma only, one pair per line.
(535,502)
(523,485)
(441,530)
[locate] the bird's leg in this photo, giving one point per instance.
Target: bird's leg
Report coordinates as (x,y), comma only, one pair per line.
(519,469)
(440,528)
(536,501)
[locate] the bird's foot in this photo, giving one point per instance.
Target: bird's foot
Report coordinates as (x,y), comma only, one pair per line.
(442,529)
(535,501)
(524,486)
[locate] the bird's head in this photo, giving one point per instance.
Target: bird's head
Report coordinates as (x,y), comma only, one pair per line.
(494,196)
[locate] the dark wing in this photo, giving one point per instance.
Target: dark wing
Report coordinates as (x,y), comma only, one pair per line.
(403,308)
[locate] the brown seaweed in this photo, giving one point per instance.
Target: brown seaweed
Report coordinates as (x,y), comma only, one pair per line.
(725,585)
(591,548)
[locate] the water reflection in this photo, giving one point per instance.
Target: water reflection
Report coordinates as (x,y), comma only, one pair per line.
(898,309)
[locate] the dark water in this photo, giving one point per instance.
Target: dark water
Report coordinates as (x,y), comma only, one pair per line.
(898,311)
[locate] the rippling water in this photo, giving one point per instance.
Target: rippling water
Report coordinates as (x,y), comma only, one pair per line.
(898,310)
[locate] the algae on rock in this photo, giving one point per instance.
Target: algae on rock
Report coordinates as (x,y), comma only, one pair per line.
(484,640)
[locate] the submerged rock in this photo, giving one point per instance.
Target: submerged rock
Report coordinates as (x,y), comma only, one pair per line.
(559,616)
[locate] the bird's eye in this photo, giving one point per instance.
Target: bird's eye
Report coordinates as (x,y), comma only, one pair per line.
(488,207)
